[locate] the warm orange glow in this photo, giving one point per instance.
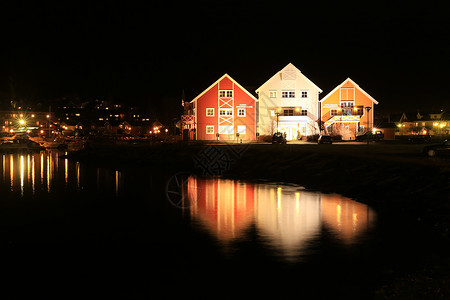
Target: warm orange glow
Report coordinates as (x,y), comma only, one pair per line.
(286,217)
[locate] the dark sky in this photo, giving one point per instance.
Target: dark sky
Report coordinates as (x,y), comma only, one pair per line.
(146,52)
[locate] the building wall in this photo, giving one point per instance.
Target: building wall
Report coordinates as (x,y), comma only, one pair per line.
(240,100)
(288,79)
(351,122)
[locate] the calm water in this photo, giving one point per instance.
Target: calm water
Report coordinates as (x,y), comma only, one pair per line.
(74,230)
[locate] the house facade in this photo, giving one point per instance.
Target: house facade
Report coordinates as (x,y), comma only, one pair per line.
(288,103)
(225,111)
(347,110)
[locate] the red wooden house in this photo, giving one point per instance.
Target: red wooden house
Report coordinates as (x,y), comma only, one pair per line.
(224,111)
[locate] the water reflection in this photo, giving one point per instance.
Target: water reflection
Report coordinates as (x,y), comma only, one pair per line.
(287,218)
(28,174)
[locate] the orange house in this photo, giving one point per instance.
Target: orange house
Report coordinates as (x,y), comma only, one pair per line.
(347,110)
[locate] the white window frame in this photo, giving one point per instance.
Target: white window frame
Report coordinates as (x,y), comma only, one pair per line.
(209,109)
(288,94)
(241,129)
(225,93)
(208,129)
(304,94)
(242,110)
(303,112)
(228,129)
(272,94)
(225,112)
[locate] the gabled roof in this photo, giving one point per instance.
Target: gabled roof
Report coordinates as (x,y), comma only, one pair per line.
(220,79)
(352,82)
(289,65)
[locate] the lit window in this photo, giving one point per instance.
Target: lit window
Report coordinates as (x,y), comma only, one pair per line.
(226,112)
(226,129)
(209,129)
(226,94)
(241,129)
(241,112)
(288,112)
(288,94)
(272,94)
(210,112)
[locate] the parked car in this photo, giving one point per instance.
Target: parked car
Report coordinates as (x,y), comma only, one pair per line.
(324,139)
(422,138)
(279,138)
(370,136)
(437,149)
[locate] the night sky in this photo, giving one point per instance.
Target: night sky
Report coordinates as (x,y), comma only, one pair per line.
(146,53)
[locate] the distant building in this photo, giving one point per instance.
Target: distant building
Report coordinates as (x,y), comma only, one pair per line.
(22,121)
(422,123)
(347,110)
(224,111)
(288,102)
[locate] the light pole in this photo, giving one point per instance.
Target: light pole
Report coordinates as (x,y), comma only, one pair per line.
(368,108)
(277,113)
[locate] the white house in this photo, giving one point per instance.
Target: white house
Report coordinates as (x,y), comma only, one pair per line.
(288,102)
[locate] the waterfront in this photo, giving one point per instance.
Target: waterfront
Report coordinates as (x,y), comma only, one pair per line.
(72,229)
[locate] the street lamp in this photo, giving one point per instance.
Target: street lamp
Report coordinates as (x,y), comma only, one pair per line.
(368,108)
(277,114)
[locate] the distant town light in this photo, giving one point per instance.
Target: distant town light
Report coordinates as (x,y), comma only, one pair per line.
(22,122)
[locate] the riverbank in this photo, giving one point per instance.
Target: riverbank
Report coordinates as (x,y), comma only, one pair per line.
(394,179)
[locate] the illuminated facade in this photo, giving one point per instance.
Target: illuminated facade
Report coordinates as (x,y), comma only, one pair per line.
(347,110)
(224,111)
(288,102)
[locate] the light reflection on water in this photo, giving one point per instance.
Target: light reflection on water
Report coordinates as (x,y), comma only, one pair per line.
(287,218)
(31,173)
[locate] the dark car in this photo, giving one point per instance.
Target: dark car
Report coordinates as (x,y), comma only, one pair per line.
(425,138)
(370,136)
(438,149)
(324,139)
(278,138)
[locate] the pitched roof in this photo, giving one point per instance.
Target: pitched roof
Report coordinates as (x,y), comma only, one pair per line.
(220,79)
(289,65)
(356,85)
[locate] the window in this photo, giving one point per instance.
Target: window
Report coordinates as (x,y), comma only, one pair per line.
(226,112)
(360,110)
(272,113)
(347,104)
(348,93)
(304,94)
(210,112)
(272,94)
(241,112)
(288,94)
(288,112)
(241,129)
(226,93)
(226,129)
(304,112)
(209,129)
(333,112)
